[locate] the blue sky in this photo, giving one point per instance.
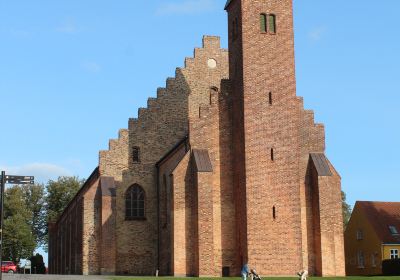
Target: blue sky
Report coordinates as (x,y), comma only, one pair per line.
(72,73)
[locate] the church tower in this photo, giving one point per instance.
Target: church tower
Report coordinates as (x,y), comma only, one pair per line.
(279,212)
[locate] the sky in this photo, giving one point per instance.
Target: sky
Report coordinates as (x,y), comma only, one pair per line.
(72,72)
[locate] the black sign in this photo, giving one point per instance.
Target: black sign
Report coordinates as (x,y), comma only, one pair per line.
(21,180)
(17,182)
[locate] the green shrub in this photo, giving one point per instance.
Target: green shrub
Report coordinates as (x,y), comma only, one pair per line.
(391,267)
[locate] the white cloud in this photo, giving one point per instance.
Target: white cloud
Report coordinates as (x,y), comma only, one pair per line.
(317,33)
(187,7)
(68,26)
(91,66)
(42,171)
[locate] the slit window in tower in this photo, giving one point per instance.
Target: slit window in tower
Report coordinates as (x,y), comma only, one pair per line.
(136,154)
(270,98)
(233,35)
(274,212)
(236,28)
(165,199)
(263,23)
(272,23)
(272,154)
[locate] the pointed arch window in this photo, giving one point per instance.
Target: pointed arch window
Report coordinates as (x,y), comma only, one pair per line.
(135,203)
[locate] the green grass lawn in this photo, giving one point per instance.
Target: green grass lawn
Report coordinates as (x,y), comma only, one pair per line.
(266,278)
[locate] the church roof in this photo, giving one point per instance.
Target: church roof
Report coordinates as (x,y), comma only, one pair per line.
(227,3)
(321,164)
(202,160)
(382,216)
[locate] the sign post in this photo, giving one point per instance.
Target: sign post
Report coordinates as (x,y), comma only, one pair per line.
(9,179)
(3,183)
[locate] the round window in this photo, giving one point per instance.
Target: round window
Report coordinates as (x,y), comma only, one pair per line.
(212,63)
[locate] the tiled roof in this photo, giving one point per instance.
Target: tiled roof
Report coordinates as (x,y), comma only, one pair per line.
(321,164)
(227,3)
(381,215)
(202,160)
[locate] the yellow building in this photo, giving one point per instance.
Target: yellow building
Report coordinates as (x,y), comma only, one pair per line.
(372,235)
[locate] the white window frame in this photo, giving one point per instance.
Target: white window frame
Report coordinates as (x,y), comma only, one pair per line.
(360,234)
(360,259)
(394,254)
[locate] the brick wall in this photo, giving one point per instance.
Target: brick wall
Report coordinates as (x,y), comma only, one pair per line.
(107,256)
(183,257)
(83,239)
(66,236)
(169,210)
(272,148)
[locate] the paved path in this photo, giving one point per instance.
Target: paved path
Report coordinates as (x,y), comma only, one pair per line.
(52,277)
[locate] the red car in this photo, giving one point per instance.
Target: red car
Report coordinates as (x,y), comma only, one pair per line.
(8,267)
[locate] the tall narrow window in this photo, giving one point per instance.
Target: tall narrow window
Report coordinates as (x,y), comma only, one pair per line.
(360,235)
(274,212)
(213,91)
(165,200)
(360,259)
(136,154)
(233,30)
(134,203)
(263,23)
(270,98)
(373,259)
(272,154)
(272,23)
(236,28)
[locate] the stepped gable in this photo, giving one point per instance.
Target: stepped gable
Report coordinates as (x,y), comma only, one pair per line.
(114,160)
(204,72)
(169,108)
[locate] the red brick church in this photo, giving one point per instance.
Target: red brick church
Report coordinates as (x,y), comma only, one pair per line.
(224,166)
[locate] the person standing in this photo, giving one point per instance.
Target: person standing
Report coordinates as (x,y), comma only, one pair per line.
(245,271)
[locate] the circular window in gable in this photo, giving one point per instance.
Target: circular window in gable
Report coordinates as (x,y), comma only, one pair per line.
(212,63)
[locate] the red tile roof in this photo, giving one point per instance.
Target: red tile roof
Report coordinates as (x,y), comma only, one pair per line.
(381,215)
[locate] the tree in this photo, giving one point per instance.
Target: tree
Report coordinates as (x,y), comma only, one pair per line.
(59,194)
(346,208)
(34,196)
(28,209)
(18,240)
